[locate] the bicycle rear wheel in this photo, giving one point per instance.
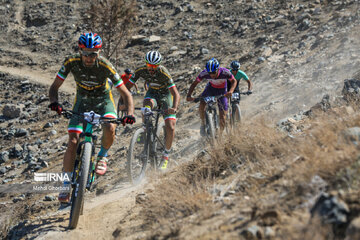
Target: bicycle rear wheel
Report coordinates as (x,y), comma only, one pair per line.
(138,157)
(78,192)
(159,145)
(235,114)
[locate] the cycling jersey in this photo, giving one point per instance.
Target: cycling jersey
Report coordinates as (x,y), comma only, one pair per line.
(220,81)
(159,84)
(125,78)
(238,76)
(93,90)
(90,81)
(160,80)
(241,75)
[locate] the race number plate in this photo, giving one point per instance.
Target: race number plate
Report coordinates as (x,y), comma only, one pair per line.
(235,96)
(209,99)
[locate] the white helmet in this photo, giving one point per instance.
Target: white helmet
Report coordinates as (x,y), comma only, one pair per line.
(153,57)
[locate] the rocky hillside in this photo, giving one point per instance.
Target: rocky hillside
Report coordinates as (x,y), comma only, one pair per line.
(295,52)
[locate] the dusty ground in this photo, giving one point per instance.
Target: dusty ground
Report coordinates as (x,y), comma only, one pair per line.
(295,52)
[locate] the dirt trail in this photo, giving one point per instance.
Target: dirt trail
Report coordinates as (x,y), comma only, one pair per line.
(99,217)
(38,76)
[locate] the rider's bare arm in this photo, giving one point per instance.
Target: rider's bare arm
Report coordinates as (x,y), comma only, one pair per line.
(175,93)
(233,84)
(126,95)
(54,89)
(145,86)
(249,84)
(191,89)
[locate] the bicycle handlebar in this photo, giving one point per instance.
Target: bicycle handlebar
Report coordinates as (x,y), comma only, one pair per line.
(197,99)
(92,117)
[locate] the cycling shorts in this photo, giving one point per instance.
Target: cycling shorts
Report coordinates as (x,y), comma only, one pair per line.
(104,105)
(162,99)
(211,91)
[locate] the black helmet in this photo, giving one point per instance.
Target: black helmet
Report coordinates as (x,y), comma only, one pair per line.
(128,71)
(235,65)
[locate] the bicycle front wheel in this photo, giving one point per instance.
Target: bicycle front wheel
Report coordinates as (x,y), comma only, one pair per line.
(210,125)
(138,156)
(78,192)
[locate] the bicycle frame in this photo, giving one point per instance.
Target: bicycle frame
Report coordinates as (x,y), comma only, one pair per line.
(87,136)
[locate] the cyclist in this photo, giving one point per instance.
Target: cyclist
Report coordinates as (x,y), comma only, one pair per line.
(216,86)
(91,72)
(163,92)
(238,74)
(126,77)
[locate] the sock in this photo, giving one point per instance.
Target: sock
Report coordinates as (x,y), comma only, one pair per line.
(103,152)
(166,152)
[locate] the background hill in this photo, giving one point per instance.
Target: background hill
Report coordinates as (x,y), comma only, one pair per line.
(259,182)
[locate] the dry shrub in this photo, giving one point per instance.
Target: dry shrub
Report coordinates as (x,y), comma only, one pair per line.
(113,20)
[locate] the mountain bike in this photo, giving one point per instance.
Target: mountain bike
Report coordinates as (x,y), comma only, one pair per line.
(146,146)
(234,112)
(83,175)
(212,122)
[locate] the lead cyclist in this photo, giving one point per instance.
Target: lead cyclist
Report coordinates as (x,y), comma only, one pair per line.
(91,73)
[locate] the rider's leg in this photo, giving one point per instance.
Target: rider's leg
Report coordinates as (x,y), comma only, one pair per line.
(222,120)
(202,112)
(170,132)
(107,140)
(108,135)
(70,153)
(223,108)
(68,164)
(149,102)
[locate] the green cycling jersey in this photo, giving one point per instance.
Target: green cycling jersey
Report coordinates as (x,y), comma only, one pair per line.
(90,81)
(160,81)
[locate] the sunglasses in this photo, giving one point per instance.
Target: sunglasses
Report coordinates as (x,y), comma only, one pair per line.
(213,73)
(89,54)
(152,66)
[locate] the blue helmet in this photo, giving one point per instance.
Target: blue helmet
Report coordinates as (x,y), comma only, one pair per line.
(90,40)
(212,65)
(235,65)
